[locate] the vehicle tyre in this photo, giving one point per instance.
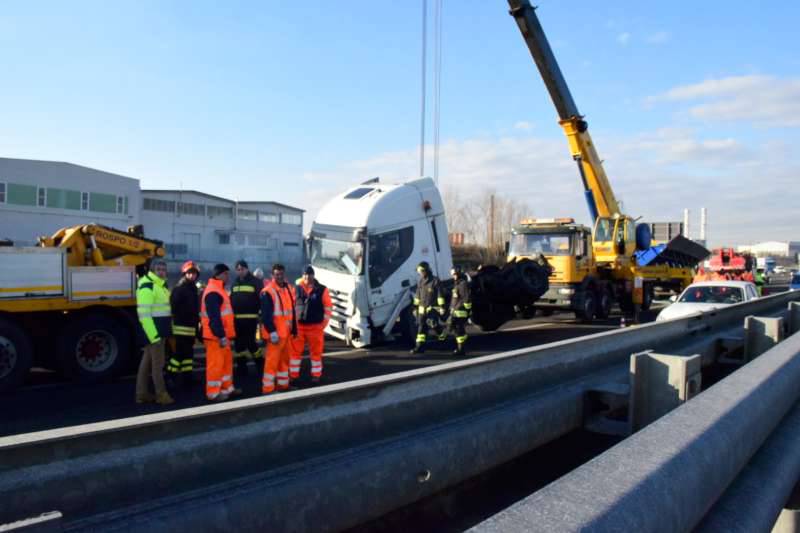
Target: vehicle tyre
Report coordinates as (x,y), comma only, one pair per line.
(491,324)
(94,347)
(16,355)
(528,313)
(604,303)
(547,312)
(647,297)
(588,306)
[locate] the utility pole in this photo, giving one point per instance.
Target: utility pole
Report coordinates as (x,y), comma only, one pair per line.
(490,239)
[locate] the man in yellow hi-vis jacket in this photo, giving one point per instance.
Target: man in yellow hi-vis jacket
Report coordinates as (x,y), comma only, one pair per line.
(155,320)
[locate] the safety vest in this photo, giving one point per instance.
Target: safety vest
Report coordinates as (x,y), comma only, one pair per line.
(225,311)
(313,303)
(152,308)
(282,309)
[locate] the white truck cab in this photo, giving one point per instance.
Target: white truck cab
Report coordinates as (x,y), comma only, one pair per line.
(365,245)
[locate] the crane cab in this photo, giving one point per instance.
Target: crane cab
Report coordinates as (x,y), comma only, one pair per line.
(614,240)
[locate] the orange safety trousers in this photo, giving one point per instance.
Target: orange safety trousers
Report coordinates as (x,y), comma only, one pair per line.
(276,365)
(219,369)
(314,336)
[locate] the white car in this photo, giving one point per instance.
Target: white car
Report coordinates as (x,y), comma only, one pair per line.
(708,295)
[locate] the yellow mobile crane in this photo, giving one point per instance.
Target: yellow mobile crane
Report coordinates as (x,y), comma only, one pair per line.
(70,303)
(614,260)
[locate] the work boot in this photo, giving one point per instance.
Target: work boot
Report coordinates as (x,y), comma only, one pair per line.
(164,399)
(236,392)
(146,398)
(419,348)
(316,380)
(459,350)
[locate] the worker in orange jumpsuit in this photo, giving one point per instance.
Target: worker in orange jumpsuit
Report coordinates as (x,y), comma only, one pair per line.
(314,309)
(279,325)
(216,318)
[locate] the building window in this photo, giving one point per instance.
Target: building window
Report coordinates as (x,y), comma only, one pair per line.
(290,218)
(120,204)
(217,211)
(270,218)
(185,208)
(84,201)
(63,199)
(177,249)
(257,240)
(154,204)
(18,194)
(247,214)
(2,192)
(126,205)
(42,197)
(102,203)
(291,244)
(224,238)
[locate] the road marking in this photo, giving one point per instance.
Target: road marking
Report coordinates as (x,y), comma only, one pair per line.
(520,328)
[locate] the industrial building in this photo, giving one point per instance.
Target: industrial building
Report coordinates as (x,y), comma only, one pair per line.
(772,248)
(39,197)
(211,229)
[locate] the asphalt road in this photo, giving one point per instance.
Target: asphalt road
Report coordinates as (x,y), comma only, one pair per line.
(47,402)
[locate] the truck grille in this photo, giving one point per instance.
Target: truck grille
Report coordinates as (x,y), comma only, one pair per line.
(339,300)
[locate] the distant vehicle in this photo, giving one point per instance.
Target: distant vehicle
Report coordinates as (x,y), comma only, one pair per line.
(794,284)
(708,295)
(780,269)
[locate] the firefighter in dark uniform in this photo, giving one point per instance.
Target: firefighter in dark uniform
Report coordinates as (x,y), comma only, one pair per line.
(245,302)
(429,304)
(460,309)
(184,303)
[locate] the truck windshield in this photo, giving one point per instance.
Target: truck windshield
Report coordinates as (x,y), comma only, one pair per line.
(337,256)
(529,244)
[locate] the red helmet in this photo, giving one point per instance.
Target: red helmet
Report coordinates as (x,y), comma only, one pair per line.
(189,265)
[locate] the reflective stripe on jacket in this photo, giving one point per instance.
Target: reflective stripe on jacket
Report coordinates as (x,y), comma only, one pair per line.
(314,304)
(429,294)
(152,307)
(208,312)
(460,301)
(185,305)
(245,297)
(277,310)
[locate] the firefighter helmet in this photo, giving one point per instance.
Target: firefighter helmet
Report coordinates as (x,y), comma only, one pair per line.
(189,265)
(423,266)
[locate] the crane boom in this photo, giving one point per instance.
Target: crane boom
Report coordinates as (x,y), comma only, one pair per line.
(599,195)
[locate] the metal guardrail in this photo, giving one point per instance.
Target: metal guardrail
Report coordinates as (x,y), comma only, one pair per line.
(331,458)
(731,450)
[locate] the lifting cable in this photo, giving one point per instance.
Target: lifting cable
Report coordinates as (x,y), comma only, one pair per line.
(437,86)
(424,68)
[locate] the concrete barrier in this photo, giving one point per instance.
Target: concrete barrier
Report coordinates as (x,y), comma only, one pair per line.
(348,452)
(667,476)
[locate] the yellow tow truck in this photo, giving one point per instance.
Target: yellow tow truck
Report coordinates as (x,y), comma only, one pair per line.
(69,303)
(613,261)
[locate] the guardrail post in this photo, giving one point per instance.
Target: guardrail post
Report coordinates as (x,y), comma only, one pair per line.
(761,334)
(794,317)
(659,384)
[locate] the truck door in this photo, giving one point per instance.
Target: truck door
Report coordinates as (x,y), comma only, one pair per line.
(388,275)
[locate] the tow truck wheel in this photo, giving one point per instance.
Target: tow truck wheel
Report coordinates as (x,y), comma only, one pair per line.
(647,297)
(604,303)
(93,348)
(588,306)
(16,355)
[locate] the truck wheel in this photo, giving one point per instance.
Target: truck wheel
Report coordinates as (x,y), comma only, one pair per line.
(93,348)
(647,297)
(604,303)
(588,306)
(547,312)
(16,355)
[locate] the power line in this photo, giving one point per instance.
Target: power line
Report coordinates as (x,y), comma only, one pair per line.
(437,91)
(423,95)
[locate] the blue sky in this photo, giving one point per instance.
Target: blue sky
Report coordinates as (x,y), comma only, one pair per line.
(690,103)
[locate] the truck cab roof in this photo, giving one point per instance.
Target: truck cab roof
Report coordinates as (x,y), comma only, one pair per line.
(377,205)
